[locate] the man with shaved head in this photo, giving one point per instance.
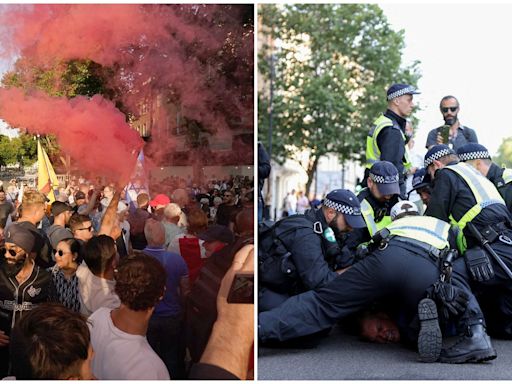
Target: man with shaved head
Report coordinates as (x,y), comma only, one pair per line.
(165,331)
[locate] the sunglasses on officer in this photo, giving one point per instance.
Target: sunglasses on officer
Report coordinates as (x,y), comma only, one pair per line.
(446,109)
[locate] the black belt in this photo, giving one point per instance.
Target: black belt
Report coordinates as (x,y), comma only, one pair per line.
(431,250)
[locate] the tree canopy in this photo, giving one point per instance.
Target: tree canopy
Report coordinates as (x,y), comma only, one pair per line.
(333,64)
(504,156)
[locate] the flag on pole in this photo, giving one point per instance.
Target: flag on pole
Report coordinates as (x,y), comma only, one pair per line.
(138,182)
(46,177)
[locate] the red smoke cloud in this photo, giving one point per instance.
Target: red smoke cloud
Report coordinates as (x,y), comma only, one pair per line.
(195,54)
(92,131)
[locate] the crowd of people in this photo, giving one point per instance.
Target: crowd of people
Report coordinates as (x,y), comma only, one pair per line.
(95,285)
(433,273)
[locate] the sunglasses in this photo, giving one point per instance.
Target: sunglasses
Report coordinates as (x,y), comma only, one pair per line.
(89,228)
(452,109)
(3,251)
(60,252)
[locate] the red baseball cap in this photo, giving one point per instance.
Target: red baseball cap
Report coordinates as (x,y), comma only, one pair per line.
(160,199)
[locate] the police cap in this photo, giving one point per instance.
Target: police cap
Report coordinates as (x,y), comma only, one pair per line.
(473,151)
(344,201)
(403,208)
(385,175)
(420,179)
(436,152)
(397,90)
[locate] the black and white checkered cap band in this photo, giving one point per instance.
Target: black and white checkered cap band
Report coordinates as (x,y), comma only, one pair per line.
(345,209)
(401,92)
(437,155)
(384,179)
(474,155)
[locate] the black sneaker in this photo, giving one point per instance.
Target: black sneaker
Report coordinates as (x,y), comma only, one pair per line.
(472,347)
(430,339)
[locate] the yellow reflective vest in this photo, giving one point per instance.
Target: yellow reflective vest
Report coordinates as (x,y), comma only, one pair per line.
(426,229)
(372,149)
(369,218)
(484,192)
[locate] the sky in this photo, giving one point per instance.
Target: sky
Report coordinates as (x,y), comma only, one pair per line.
(464,51)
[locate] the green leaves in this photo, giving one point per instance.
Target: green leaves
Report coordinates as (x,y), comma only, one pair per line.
(332,65)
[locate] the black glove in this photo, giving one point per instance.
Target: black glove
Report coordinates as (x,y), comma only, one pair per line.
(479,264)
(361,252)
(452,299)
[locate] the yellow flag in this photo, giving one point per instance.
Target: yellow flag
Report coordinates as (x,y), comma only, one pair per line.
(46,177)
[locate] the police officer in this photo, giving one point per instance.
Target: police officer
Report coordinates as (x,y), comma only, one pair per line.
(403,266)
(421,184)
(386,139)
(472,203)
(376,202)
(478,157)
(295,254)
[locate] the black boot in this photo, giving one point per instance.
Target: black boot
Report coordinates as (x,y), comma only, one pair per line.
(472,347)
(430,339)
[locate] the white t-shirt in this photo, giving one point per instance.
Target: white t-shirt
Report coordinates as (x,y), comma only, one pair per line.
(95,292)
(122,356)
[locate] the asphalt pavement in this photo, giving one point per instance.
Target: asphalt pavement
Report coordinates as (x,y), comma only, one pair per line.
(342,356)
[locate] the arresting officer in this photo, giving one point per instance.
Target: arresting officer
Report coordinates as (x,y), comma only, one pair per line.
(470,201)
(403,265)
(295,254)
(376,202)
(386,139)
(478,157)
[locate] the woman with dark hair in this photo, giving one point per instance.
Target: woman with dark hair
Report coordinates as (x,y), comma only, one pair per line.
(63,273)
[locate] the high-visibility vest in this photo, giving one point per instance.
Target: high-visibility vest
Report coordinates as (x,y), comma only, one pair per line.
(484,192)
(369,218)
(507,175)
(426,229)
(372,149)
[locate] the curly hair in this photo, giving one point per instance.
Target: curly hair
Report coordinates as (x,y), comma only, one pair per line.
(49,342)
(140,282)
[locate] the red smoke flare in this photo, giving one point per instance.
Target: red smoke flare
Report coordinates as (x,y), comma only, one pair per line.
(92,131)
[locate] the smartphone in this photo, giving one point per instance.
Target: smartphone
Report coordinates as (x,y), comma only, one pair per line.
(242,289)
(445,133)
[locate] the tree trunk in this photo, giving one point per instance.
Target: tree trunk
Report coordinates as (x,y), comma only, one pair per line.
(311,172)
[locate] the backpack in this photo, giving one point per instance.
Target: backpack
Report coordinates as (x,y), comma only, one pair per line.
(276,269)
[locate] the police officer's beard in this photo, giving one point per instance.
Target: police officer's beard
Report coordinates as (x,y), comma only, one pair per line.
(338,234)
(13,269)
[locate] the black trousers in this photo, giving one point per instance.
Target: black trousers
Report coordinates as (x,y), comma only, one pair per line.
(401,271)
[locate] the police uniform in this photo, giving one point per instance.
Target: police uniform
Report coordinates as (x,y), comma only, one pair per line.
(304,245)
(461,195)
(376,214)
(500,177)
(386,139)
(403,269)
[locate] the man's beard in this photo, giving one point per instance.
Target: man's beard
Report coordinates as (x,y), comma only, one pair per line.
(11,270)
(450,120)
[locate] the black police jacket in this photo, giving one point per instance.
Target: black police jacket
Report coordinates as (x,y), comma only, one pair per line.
(308,251)
(495,175)
(451,196)
(362,235)
(16,299)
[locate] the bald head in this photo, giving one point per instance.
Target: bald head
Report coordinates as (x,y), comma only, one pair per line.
(155,233)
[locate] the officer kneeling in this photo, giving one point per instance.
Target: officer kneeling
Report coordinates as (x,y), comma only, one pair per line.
(404,263)
(301,252)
